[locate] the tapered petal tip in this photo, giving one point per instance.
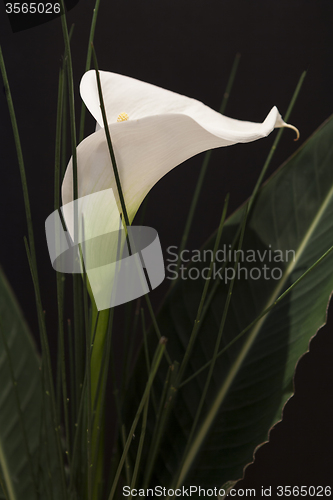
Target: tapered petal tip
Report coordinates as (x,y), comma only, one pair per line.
(287,125)
(281,123)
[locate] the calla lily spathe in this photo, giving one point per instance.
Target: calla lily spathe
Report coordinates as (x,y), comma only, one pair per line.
(153,130)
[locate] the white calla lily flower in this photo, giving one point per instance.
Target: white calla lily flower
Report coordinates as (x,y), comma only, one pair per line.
(152,130)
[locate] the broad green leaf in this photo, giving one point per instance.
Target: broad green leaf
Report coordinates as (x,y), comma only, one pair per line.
(21,400)
(290,227)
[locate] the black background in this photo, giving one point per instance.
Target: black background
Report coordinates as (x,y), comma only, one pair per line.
(188,47)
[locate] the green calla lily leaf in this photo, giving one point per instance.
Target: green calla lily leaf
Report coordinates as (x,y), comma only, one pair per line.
(26,454)
(288,230)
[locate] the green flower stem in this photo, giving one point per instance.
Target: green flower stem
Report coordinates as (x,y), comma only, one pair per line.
(71,373)
(64,153)
(93,337)
(155,364)
(120,424)
(205,163)
(61,339)
(183,472)
(101,319)
(19,153)
(89,346)
(140,447)
(156,327)
(127,341)
(203,296)
(167,402)
(71,99)
(145,345)
(77,436)
(108,139)
(105,365)
(43,426)
(88,63)
(101,380)
(276,141)
(129,349)
(78,340)
(58,389)
(77,285)
(60,158)
(145,340)
(163,397)
(59,276)
(79,423)
(58,139)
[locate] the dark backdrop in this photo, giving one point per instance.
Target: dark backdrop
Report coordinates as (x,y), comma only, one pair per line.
(186,46)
